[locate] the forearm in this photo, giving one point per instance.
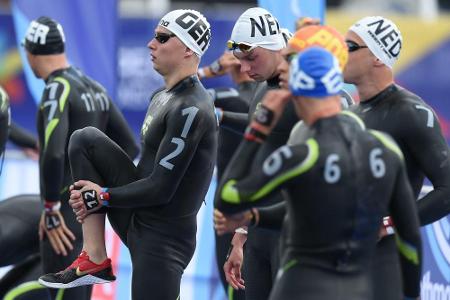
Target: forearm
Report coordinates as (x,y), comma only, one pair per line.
(434,206)
(53,174)
(21,137)
(235,121)
(271,217)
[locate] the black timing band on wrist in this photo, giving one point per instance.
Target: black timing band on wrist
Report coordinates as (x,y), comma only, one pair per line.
(264,115)
(252,134)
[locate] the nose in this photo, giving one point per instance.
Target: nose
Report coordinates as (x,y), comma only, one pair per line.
(245,66)
(283,67)
(151,44)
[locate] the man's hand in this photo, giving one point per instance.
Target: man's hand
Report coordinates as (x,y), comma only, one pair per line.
(232,268)
(31,153)
(84,198)
(59,235)
(229,62)
(274,101)
(228,223)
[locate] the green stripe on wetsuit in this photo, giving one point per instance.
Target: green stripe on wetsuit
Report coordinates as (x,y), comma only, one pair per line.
(407,250)
(62,102)
(231,195)
(387,142)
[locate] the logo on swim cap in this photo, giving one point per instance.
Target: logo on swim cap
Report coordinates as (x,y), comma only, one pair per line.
(382,37)
(44,36)
(323,36)
(315,73)
(191,27)
(258,27)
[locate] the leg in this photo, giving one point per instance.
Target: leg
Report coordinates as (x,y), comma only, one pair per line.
(52,262)
(386,272)
(19,217)
(156,272)
(91,153)
(260,263)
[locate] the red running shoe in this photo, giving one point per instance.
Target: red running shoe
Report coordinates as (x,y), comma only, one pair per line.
(81,272)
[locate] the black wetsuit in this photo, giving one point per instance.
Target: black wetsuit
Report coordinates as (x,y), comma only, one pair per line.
(415,127)
(21,137)
(5,121)
(71,101)
(338,186)
(153,206)
(261,255)
(229,100)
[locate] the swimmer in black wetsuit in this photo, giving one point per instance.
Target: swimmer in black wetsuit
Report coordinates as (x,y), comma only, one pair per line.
(335,215)
(153,206)
(70,101)
(409,120)
(228,101)
(303,38)
(259,57)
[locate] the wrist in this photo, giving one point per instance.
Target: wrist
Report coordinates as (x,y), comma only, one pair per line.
(52,206)
(254,134)
(388,225)
(263,119)
(241,230)
(239,240)
(255,217)
(104,197)
(215,67)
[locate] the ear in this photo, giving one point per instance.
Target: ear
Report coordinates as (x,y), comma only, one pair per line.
(377,62)
(188,52)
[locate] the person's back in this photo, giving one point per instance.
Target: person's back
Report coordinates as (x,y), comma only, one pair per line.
(336,208)
(388,111)
(338,184)
(339,187)
(70,101)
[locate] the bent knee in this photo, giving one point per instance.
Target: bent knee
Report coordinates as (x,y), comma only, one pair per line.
(83,137)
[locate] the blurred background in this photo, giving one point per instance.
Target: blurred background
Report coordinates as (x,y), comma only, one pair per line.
(107,39)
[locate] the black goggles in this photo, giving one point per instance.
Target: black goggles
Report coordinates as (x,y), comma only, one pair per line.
(352,46)
(163,37)
(242,46)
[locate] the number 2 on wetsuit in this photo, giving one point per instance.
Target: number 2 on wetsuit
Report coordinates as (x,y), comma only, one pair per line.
(190,112)
(332,171)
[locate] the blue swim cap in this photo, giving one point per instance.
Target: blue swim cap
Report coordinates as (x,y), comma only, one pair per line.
(315,73)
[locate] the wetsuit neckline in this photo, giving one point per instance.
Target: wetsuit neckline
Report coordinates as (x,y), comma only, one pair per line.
(380,96)
(274,81)
(189,81)
(56,73)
